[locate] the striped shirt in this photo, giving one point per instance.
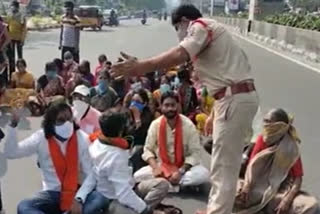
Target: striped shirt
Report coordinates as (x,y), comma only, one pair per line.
(71,31)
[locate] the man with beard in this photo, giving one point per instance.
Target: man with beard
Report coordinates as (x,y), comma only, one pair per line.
(172,148)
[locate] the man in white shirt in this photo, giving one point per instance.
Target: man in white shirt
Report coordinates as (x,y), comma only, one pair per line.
(112,176)
(172,148)
(63,157)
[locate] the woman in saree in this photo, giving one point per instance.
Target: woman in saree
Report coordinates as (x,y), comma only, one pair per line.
(273,178)
(50,87)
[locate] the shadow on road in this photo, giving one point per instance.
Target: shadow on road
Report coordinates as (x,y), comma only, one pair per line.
(99,31)
(200,193)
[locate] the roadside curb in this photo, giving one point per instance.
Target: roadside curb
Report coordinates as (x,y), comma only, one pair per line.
(273,48)
(41,28)
(300,56)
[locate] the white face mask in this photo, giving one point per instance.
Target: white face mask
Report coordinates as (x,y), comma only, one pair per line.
(80,108)
(182,31)
(65,130)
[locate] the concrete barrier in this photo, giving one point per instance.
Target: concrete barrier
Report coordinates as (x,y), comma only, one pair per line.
(286,38)
(299,38)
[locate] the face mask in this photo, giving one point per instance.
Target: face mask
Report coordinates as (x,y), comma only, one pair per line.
(164,88)
(65,130)
(80,108)
(138,105)
(176,83)
(136,86)
(51,74)
(182,31)
(68,61)
(102,87)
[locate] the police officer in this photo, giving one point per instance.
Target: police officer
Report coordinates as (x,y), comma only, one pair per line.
(224,68)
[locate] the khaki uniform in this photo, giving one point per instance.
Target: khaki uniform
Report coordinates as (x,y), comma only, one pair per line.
(222,64)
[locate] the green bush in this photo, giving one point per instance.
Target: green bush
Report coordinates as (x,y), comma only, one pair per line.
(309,21)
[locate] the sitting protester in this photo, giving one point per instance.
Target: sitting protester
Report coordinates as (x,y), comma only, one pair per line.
(85,71)
(86,116)
(76,80)
(50,84)
(206,105)
(13,98)
(164,88)
(59,64)
(112,177)
(172,148)
(102,59)
(188,95)
(60,147)
(22,78)
(50,87)
(69,67)
(105,96)
(140,120)
(273,178)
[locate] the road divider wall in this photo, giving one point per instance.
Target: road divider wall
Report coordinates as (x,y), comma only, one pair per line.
(41,23)
(305,43)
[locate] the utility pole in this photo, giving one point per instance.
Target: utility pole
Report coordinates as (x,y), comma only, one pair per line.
(201,6)
(211,7)
(252,10)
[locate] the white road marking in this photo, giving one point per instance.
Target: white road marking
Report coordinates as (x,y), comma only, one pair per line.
(279,54)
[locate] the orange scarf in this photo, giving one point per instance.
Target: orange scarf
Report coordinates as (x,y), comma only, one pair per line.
(114,141)
(66,167)
(167,167)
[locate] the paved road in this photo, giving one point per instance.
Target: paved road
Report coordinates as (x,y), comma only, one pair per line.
(280,83)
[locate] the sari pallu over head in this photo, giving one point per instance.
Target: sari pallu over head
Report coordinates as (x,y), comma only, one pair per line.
(270,167)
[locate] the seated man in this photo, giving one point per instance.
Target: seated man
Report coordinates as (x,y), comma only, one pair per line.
(60,147)
(112,177)
(105,96)
(274,174)
(172,148)
(86,116)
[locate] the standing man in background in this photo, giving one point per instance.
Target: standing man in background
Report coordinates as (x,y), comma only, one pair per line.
(70,32)
(225,69)
(17,32)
